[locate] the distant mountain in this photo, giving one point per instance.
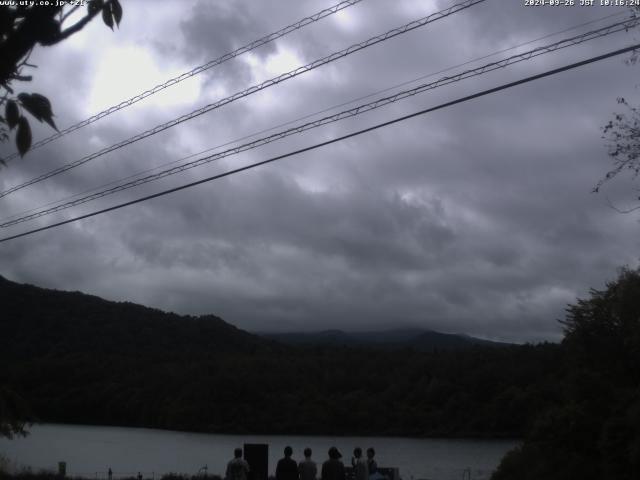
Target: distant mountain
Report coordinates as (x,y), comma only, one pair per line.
(37,321)
(42,320)
(419,339)
(77,358)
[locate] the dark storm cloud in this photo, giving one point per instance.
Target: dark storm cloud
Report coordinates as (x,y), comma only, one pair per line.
(215,28)
(476,219)
(366,229)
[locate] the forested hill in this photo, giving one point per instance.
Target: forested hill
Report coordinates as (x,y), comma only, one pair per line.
(37,321)
(35,316)
(419,339)
(76,358)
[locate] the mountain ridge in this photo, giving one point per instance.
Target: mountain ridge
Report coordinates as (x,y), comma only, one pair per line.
(420,339)
(41,319)
(34,301)
(76,358)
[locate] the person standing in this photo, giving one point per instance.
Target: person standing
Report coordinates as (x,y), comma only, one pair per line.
(287,468)
(359,464)
(307,468)
(372,465)
(237,468)
(333,469)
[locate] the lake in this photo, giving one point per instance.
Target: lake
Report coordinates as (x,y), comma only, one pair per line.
(90,450)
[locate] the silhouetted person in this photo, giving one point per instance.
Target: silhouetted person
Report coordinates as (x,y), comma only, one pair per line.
(237,468)
(307,469)
(372,465)
(333,469)
(110,473)
(139,476)
(287,468)
(359,464)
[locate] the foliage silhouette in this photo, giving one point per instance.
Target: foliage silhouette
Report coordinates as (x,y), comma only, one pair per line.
(80,359)
(593,432)
(622,134)
(22,28)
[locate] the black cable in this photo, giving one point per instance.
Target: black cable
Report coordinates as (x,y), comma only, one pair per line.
(199,69)
(408,27)
(25,213)
(381,102)
(334,140)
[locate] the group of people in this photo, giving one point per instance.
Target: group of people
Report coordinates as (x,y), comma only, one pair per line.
(332,469)
(363,468)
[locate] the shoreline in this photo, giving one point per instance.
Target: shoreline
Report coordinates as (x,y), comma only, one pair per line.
(471,438)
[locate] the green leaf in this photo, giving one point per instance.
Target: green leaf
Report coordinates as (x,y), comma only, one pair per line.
(94,6)
(39,106)
(51,123)
(116,9)
(11,114)
(23,136)
(29,105)
(107,17)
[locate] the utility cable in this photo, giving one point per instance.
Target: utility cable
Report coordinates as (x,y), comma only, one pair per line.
(304,117)
(212,63)
(467,98)
(569,42)
(268,83)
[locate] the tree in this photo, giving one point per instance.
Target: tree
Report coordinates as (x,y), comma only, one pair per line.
(14,415)
(622,134)
(594,431)
(22,28)
(603,331)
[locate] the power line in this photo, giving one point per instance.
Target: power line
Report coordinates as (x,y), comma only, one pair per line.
(268,83)
(334,140)
(309,115)
(212,63)
(569,42)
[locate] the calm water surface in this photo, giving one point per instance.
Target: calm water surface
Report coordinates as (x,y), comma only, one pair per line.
(90,451)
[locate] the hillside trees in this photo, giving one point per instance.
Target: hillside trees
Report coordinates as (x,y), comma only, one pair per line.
(594,432)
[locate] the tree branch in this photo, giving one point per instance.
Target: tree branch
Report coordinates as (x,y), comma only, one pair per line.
(68,14)
(23,39)
(76,27)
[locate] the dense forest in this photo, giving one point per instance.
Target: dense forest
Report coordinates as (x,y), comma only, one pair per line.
(77,358)
(593,432)
(416,338)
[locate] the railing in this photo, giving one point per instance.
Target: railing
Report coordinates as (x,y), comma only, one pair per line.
(113,475)
(137,475)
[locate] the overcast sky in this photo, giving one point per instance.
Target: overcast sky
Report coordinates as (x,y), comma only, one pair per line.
(478,218)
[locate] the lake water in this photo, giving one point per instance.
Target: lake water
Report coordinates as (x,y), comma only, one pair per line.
(90,450)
